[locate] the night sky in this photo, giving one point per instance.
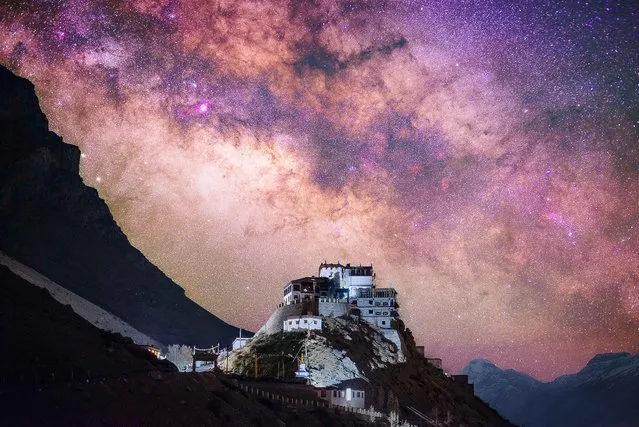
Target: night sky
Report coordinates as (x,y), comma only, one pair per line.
(484,158)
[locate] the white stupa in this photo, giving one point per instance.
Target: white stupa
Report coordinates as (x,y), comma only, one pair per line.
(301,369)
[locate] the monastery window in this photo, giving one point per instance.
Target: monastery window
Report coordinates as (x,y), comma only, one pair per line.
(314,322)
(296,288)
(385,303)
(334,393)
(370,301)
(377,313)
(383,322)
(377,303)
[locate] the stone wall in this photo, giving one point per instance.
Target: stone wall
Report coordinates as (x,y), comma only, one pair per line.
(274,323)
(329,307)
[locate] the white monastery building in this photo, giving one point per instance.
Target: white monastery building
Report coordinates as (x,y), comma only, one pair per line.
(343,396)
(340,290)
(305,289)
(302,323)
(377,306)
(348,279)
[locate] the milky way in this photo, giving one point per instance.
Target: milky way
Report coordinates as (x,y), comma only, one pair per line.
(483,158)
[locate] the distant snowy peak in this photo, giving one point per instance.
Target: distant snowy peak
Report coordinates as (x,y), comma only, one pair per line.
(609,365)
(480,368)
(482,364)
(489,379)
(601,366)
(604,392)
(615,361)
(605,357)
(506,386)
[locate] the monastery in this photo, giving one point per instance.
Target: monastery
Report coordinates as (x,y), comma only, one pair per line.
(343,289)
(338,290)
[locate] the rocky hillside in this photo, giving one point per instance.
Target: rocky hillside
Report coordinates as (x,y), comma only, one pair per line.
(346,350)
(53,223)
(604,393)
(343,350)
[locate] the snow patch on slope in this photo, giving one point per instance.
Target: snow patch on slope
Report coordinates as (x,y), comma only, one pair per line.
(85,309)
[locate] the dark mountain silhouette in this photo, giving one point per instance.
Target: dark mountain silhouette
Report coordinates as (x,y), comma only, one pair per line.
(53,223)
(604,393)
(47,342)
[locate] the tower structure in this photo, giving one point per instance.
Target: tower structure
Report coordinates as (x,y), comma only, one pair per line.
(346,280)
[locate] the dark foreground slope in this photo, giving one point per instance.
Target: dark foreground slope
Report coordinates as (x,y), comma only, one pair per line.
(52,222)
(604,393)
(180,399)
(56,369)
(45,342)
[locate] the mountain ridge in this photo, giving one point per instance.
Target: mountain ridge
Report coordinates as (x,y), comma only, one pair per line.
(603,393)
(55,224)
